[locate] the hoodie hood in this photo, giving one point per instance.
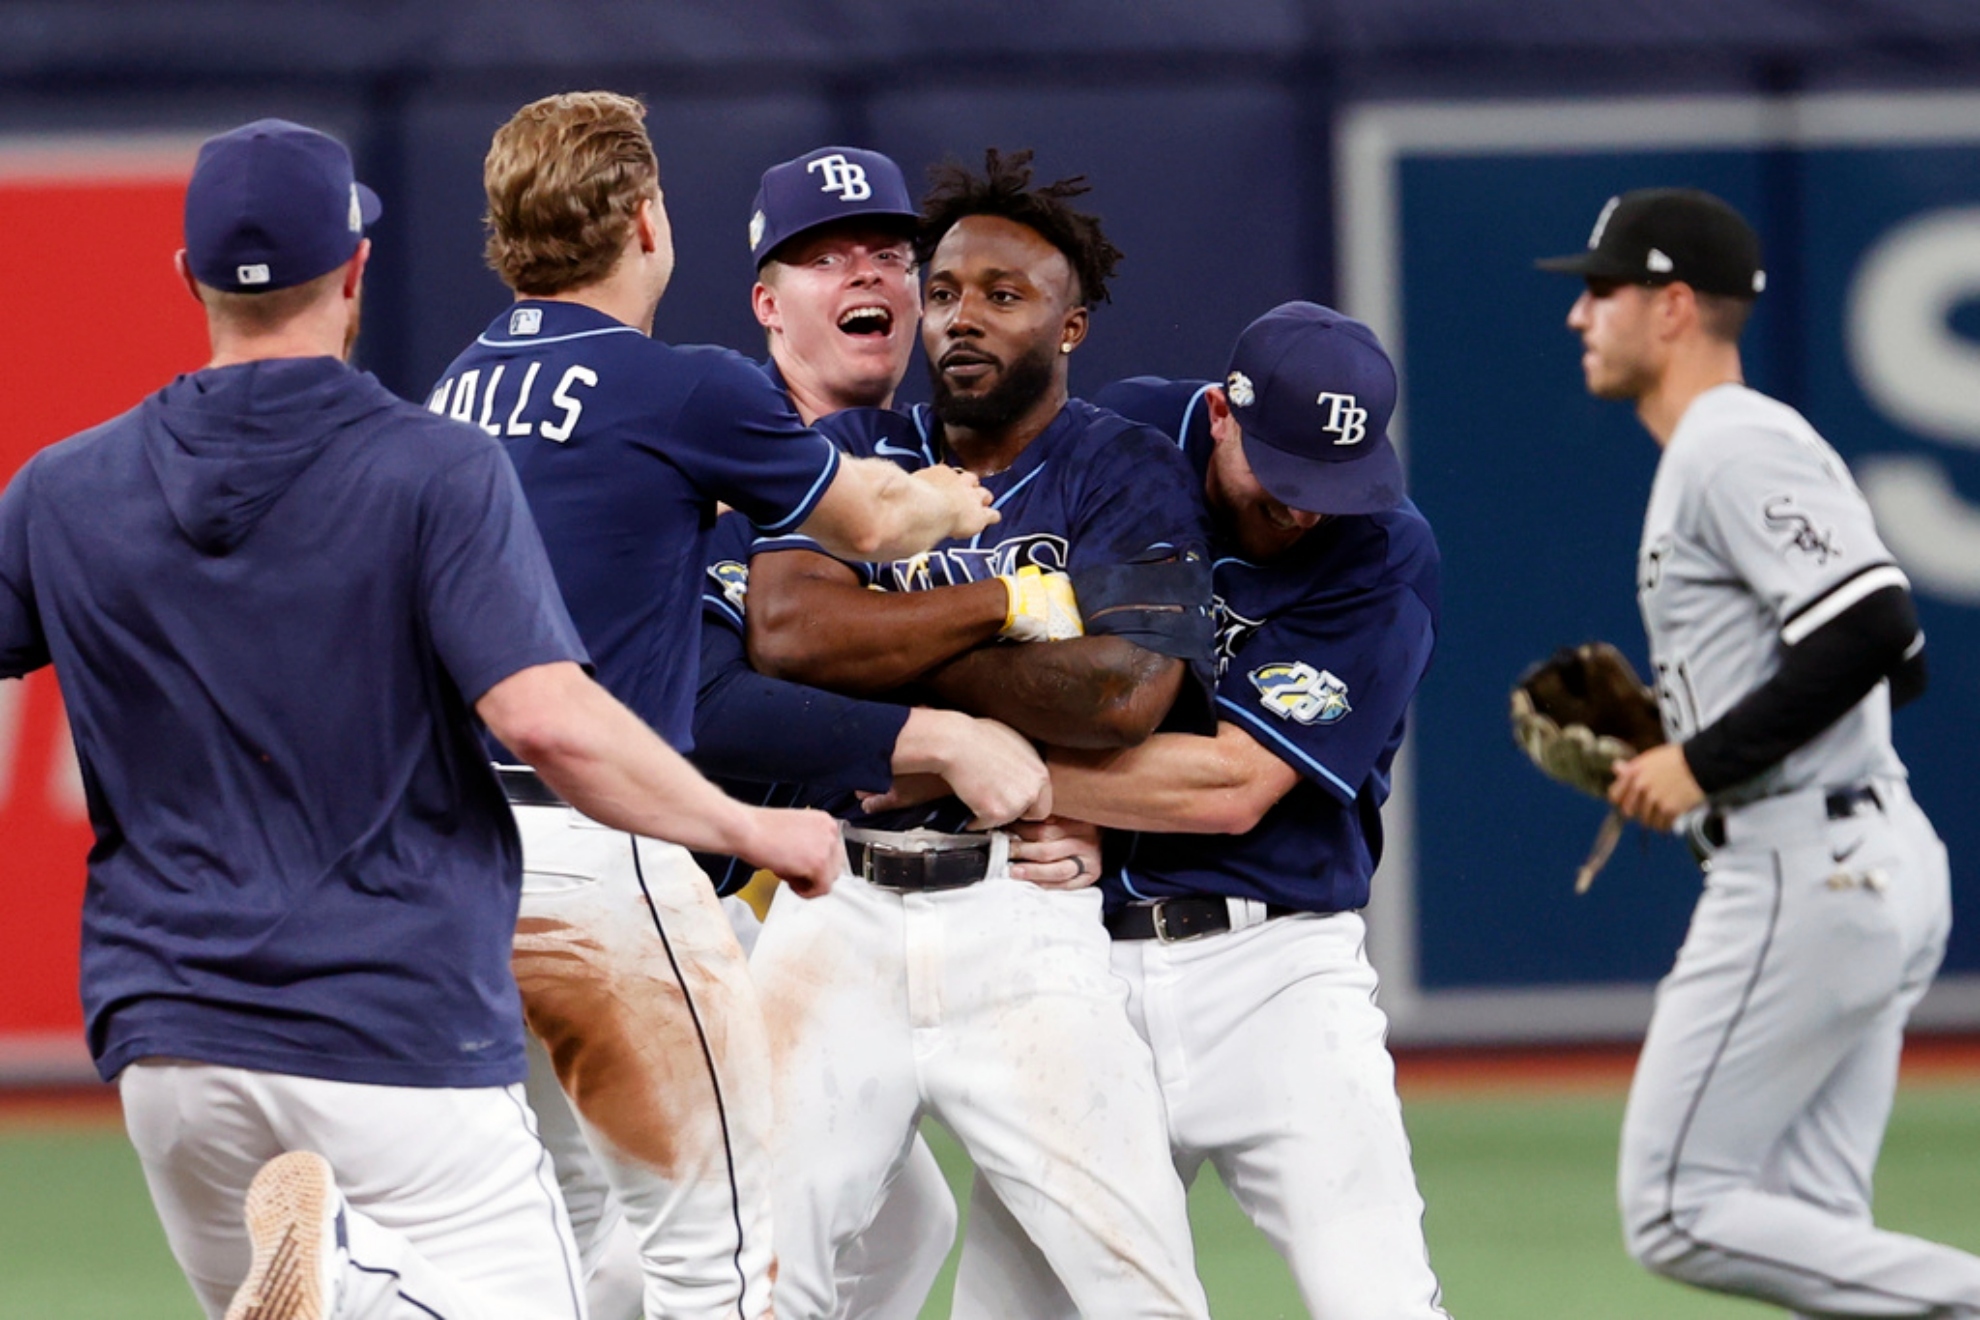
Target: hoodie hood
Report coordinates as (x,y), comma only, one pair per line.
(225,443)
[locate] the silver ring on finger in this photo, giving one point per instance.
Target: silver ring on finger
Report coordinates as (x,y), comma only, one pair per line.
(1079,867)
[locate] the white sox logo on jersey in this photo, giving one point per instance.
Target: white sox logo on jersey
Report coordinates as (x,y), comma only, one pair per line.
(1346,420)
(842,177)
(969,563)
(1297,691)
(1803,535)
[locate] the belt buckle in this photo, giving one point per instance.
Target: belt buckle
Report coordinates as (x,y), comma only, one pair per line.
(1158,913)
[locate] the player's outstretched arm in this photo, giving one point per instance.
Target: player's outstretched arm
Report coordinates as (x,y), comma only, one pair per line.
(603,760)
(810,621)
(750,726)
(875,511)
(1093,691)
(988,765)
(1179,783)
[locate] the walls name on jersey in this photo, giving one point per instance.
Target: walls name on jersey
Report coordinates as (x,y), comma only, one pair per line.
(519,409)
(970,563)
(1294,690)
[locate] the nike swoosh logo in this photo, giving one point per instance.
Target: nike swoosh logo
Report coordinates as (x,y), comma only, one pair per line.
(1844,854)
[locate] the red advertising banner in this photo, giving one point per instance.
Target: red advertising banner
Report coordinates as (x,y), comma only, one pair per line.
(97,317)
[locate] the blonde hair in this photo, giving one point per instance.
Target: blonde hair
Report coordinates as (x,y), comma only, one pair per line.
(565,177)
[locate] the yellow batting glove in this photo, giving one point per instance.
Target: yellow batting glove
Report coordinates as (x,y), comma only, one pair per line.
(1042,606)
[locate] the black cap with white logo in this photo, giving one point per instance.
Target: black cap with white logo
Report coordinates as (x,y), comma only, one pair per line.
(1667,235)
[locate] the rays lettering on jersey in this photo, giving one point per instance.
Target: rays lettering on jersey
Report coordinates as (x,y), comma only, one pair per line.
(969,563)
(1233,631)
(1295,690)
(467,398)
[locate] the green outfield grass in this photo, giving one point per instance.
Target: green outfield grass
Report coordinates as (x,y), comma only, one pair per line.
(1522,1223)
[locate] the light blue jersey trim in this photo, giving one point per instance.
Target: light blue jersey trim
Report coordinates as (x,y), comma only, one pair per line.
(721,603)
(1280,740)
(976,542)
(527,340)
(811,497)
(1189,415)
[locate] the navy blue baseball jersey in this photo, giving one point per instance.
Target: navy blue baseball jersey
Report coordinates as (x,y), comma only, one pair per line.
(766,740)
(1319,652)
(624,445)
(272,593)
(1093,492)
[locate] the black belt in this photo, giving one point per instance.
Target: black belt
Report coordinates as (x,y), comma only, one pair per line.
(524,788)
(1840,805)
(1172,919)
(892,867)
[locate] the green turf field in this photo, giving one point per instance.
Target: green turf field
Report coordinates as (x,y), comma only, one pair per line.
(1521,1220)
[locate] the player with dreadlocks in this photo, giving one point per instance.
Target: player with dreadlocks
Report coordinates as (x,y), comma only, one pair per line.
(958,971)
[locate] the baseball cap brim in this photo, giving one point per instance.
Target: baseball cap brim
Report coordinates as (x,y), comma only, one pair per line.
(369,207)
(880,217)
(1368,483)
(1594,265)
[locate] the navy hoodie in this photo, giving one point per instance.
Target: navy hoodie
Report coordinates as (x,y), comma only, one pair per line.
(272,593)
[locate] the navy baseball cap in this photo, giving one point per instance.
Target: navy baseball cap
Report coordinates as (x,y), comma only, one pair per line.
(271,205)
(1664,235)
(1313,391)
(831,183)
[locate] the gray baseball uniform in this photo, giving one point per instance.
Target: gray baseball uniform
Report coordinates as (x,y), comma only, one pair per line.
(1771,1063)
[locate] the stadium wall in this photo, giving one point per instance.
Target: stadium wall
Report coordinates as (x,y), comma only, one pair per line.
(1405,161)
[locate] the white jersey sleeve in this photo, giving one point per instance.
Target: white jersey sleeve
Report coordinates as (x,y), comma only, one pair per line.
(1756,535)
(1779,506)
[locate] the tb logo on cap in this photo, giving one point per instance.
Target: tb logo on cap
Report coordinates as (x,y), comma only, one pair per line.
(1347,422)
(842,177)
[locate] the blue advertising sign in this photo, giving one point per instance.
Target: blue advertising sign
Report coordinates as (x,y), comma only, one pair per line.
(1868,208)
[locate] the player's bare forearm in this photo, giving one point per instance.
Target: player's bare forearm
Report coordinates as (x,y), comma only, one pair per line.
(604,760)
(810,621)
(989,766)
(875,511)
(1086,692)
(1176,783)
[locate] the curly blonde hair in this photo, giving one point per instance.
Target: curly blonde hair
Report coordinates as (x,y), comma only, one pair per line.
(565,177)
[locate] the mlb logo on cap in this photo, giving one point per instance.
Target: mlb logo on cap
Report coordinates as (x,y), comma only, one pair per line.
(819,187)
(271,205)
(1313,392)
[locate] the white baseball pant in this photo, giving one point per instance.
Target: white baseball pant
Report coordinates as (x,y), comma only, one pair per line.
(1273,1062)
(452,1207)
(633,981)
(1766,1080)
(884,1273)
(993,1008)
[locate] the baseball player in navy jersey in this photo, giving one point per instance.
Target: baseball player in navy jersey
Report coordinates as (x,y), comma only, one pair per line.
(832,234)
(1781,632)
(1237,861)
(631,977)
(296,939)
(930,980)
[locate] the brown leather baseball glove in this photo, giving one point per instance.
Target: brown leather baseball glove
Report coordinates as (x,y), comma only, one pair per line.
(1577,715)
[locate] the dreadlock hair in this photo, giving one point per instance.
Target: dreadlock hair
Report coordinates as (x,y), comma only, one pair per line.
(1005,190)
